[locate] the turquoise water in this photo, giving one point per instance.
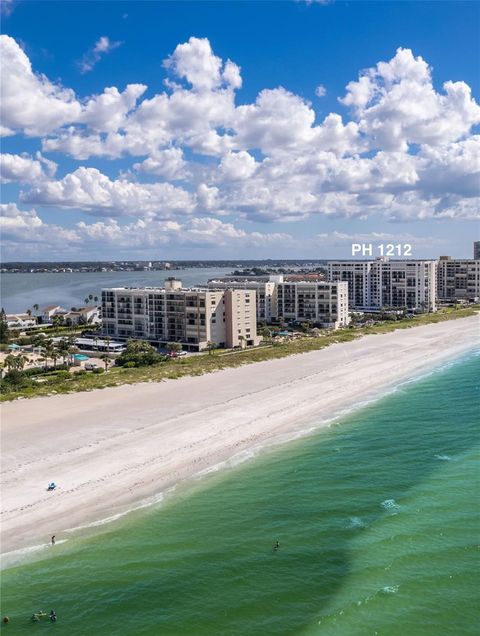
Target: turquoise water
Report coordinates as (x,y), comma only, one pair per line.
(377,519)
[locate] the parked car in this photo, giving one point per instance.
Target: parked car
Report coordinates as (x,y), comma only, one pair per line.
(90,366)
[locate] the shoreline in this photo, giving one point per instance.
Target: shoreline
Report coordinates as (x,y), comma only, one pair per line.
(131,443)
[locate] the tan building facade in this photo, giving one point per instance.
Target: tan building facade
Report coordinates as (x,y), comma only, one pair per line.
(265,292)
(192,317)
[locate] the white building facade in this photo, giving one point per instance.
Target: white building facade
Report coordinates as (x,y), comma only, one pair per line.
(382,283)
(323,304)
(458,279)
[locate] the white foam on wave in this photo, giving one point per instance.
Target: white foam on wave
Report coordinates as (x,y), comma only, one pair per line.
(391,505)
(356,522)
(145,503)
(390,589)
(14,556)
(443,458)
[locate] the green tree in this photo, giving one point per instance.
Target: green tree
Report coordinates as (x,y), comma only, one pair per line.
(106,360)
(141,353)
(49,351)
(211,346)
(15,363)
(4,331)
(10,362)
(174,347)
(63,349)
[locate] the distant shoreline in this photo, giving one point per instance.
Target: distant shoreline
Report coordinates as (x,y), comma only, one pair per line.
(111,449)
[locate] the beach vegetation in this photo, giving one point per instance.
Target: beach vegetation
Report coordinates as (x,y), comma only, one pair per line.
(140,362)
(4,331)
(141,353)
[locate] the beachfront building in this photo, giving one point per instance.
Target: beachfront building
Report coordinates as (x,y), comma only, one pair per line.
(46,315)
(476,250)
(323,304)
(458,279)
(265,292)
(384,283)
(20,321)
(192,317)
(82,316)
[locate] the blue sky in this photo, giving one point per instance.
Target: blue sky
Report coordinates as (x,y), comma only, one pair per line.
(252,157)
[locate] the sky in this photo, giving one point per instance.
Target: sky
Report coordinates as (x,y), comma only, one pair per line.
(205,130)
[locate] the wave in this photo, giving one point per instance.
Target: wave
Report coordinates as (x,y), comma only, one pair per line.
(15,556)
(356,522)
(391,505)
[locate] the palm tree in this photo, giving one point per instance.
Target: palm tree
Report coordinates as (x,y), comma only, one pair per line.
(10,362)
(211,346)
(174,347)
(242,341)
(108,340)
(48,351)
(15,363)
(106,360)
(35,307)
(21,362)
(63,349)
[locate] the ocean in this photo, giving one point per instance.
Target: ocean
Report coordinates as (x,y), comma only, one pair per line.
(20,291)
(377,519)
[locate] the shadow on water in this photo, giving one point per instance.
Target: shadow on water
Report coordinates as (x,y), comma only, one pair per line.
(204,564)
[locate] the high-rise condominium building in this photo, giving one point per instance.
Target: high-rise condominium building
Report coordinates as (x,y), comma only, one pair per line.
(319,303)
(192,317)
(409,284)
(476,250)
(458,279)
(265,291)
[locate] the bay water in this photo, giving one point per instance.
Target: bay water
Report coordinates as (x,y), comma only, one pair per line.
(20,291)
(377,518)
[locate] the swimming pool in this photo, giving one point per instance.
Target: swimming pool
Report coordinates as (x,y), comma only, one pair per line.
(81,357)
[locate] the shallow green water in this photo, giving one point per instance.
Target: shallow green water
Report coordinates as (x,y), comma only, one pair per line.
(377,520)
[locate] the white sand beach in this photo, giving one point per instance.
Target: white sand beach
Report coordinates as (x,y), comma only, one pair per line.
(109,449)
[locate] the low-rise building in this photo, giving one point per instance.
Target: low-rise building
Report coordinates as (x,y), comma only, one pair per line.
(47,314)
(82,316)
(20,321)
(458,279)
(193,317)
(384,283)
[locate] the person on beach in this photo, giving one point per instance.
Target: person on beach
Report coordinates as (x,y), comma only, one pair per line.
(53,540)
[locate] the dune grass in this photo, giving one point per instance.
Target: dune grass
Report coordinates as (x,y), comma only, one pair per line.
(219,359)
